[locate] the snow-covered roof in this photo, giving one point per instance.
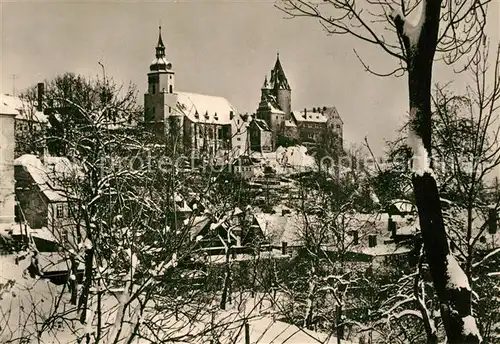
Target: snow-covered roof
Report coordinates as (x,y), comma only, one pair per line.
(331,112)
(382,249)
(23,110)
(268,330)
(5,108)
(275,109)
(56,262)
(198,224)
(203,108)
(313,117)
(261,124)
(280,228)
(160,61)
(44,176)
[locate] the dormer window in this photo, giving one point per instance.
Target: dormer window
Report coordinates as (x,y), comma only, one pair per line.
(196,114)
(206,115)
(215,116)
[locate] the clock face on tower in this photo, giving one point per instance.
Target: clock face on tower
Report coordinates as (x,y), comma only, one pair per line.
(169,66)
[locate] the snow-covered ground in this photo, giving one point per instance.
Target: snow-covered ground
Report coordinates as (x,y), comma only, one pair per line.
(27,304)
(287,160)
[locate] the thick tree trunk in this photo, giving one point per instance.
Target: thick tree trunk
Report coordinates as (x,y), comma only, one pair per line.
(450,282)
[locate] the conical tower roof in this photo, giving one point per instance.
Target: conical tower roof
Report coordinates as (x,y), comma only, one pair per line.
(278,78)
(265,86)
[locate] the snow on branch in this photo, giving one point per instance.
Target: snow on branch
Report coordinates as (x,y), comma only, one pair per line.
(485,258)
(409,30)
(456,276)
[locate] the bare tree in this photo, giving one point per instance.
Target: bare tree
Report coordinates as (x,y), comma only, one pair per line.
(132,234)
(446,27)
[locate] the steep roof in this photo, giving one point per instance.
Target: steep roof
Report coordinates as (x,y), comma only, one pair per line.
(280,228)
(269,102)
(5,108)
(47,176)
(202,108)
(261,124)
(278,78)
(331,112)
(22,110)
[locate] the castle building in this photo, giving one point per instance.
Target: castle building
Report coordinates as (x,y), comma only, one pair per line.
(311,127)
(201,123)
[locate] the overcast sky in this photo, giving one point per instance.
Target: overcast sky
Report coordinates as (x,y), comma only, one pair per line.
(219,48)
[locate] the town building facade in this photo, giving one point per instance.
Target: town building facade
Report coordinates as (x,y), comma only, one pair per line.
(312,127)
(200,122)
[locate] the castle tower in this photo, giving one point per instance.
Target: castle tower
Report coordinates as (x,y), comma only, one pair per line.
(160,100)
(280,87)
(264,93)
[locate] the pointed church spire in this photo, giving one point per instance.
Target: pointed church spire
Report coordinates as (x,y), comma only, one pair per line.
(160,40)
(266,84)
(160,63)
(278,78)
(160,47)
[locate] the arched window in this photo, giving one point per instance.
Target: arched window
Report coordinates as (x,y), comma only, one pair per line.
(170,89)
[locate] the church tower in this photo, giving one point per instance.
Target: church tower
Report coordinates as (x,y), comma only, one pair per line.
(161,99)
(280,88)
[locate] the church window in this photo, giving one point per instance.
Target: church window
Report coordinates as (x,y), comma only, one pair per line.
(170,89)
(169,109)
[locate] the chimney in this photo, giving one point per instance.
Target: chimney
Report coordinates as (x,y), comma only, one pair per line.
(372,240)
(305,113)
(284,246)
(7,181)
(355,237)
(314,110)
(40,94)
